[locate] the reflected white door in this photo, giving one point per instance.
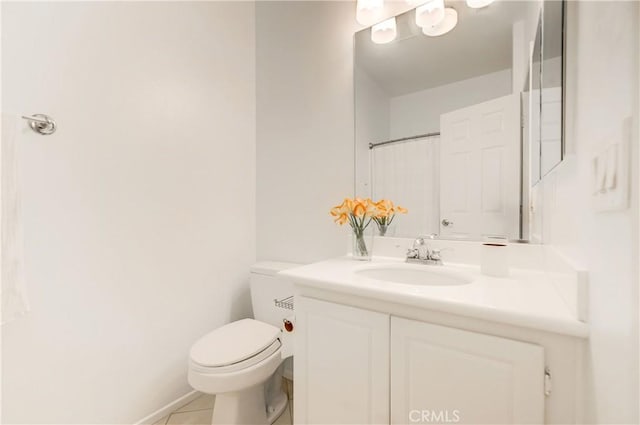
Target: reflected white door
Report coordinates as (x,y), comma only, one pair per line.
(480,170)
(445,375)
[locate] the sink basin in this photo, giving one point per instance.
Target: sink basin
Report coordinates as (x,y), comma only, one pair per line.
(414,275)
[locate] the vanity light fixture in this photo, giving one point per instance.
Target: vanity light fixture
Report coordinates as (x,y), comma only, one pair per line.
(430,14)
(384,32)
(477,4)
(369,11)
(448,23)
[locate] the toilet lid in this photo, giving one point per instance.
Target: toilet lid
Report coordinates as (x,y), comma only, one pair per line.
(233,343)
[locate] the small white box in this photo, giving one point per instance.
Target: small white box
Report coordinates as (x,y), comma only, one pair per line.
(495,259)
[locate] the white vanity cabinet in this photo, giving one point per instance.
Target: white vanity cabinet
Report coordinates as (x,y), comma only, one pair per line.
(341,364)
(443,375)
(356,366)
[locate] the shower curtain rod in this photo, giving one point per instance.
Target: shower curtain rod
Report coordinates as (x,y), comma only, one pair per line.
(403,139)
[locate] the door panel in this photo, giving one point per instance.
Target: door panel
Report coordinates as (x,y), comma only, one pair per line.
(441,375)
(341,364)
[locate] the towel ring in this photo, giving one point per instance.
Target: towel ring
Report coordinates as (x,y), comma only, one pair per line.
(41,124)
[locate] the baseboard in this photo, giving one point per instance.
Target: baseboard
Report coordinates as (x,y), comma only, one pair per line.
(166,410)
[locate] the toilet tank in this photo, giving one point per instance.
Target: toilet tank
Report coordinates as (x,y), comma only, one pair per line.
(266,287)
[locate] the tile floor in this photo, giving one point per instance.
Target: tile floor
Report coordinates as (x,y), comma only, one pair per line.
(199,411)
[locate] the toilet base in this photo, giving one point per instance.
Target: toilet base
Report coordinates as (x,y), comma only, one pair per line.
(242,407)
(275,396)
(277,408)
(247,407)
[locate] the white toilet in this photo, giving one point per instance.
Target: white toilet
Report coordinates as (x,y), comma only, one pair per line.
(242,362)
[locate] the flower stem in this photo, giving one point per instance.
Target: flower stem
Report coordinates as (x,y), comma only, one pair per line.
(361,245)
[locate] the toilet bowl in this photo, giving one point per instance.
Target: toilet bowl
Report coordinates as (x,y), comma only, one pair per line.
(242,362)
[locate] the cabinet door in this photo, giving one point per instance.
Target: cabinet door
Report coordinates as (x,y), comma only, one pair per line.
(341,364)
(445,375)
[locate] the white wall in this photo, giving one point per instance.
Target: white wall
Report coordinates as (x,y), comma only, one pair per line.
(603,87)
(372,125)
(304,126)
(139,211)
(419,112)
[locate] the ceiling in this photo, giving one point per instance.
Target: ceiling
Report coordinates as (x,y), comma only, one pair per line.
(479,44)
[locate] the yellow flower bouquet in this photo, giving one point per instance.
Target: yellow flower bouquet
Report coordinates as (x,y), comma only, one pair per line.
(359,213)
(386,212)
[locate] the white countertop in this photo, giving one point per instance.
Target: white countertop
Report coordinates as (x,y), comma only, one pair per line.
(527,298)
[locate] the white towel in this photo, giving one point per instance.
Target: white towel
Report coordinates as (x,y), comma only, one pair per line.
(13,295)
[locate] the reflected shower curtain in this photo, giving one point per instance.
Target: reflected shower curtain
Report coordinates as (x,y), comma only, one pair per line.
(408,173)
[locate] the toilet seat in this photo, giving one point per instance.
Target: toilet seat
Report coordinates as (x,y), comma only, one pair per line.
(243,364)
(236,357)
(235,346)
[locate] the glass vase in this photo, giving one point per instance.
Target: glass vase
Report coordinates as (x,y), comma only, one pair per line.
(362,244)
(386,230)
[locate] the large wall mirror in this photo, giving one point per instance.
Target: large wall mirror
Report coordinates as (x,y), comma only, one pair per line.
(458,127)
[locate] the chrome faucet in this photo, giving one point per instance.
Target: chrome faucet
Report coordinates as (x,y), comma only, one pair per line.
(420,253)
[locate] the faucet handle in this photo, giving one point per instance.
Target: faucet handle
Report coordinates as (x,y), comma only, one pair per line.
(413,253)
(421,240)
(436,253)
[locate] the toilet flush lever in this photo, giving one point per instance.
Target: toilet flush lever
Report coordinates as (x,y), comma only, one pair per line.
(288,325)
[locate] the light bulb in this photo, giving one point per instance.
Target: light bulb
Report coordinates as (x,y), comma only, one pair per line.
(430,14)
(448,23)
(369,11)
(384,32)
(477,4)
